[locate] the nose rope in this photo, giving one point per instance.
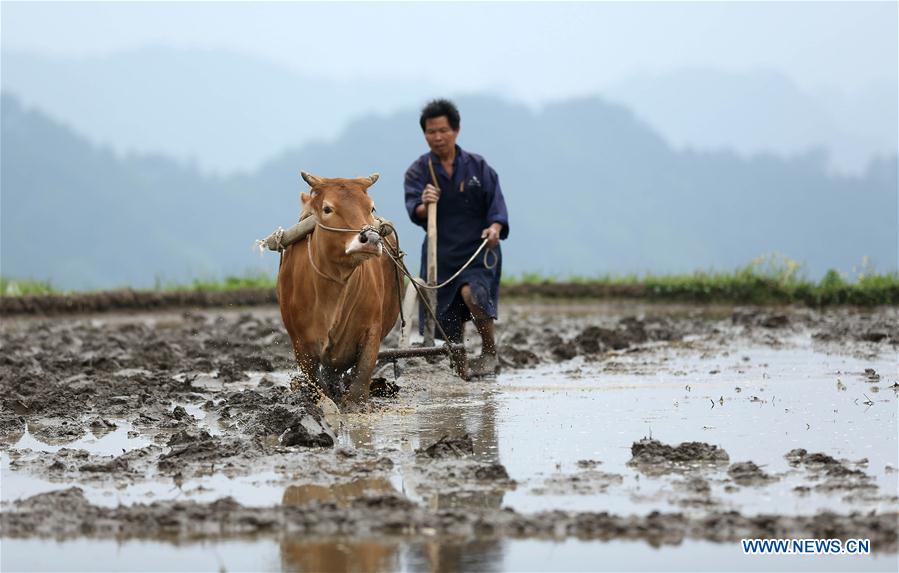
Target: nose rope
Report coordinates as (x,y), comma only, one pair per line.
(383,230)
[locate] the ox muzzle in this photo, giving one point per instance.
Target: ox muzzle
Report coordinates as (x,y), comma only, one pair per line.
(367,242)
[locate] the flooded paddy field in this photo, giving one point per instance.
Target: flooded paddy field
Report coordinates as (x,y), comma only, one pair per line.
(618,436)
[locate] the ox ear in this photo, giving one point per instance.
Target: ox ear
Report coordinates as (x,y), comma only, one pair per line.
(305,198)
(311,179)
(374,178)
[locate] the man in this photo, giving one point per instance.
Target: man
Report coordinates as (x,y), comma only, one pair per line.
(470,208)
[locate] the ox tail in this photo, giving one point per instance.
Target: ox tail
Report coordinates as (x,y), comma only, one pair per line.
(410,300)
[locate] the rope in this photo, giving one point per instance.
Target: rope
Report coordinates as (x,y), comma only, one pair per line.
(384,229)
(390,229)
(470,260)
(397,259)
(466,265)
(274,242)
(312,262)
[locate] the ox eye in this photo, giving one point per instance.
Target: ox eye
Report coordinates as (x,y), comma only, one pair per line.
(328,210)
(373,210)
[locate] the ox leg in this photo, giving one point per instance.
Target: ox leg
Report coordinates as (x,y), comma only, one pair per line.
(360,386)
(308,364)
(330,379)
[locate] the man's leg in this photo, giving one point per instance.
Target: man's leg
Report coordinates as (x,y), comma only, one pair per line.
(487,363)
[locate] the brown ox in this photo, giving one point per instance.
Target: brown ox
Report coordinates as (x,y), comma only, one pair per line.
(338,291)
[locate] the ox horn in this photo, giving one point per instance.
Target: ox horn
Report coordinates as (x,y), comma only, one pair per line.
(311,179)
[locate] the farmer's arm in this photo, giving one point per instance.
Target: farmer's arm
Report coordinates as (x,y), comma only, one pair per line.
(414,183)
(497,214)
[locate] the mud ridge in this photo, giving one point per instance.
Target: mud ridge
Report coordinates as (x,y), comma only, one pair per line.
(67,514)
(129,299)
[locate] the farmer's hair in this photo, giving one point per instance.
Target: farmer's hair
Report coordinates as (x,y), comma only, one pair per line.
(441,107)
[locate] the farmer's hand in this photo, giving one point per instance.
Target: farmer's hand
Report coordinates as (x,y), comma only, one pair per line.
(430,194)
(491,233)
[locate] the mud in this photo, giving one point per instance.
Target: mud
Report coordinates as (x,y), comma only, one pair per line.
(589,482)
(447,447)
(67,513)
(111,301)
(830,473)
(160,417)
(748,473)
(652,457)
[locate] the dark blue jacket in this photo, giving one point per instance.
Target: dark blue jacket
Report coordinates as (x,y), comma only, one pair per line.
(470,201)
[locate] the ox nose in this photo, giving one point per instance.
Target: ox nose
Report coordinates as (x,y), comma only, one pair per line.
(367,242)
(369,235)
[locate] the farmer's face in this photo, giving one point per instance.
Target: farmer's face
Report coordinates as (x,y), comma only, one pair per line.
(440,136)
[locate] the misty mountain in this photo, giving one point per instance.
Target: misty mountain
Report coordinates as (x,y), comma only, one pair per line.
(223,111)
(764,111)
(590,189)
(229,113)
(80,215)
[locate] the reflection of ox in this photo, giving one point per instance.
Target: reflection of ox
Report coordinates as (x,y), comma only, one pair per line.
(338,294)
(302,554)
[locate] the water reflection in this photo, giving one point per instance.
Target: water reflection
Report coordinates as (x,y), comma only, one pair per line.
(445,557)
(109,438)
(367,556)
(451,416)
(519,555)
(478,419)
(363,557)
(341,495)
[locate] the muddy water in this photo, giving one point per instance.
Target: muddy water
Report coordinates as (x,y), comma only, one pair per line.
(377,555)
(552,433)
(754,412)
(541,423)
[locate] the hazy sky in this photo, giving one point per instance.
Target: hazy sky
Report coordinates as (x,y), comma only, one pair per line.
(531,51)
